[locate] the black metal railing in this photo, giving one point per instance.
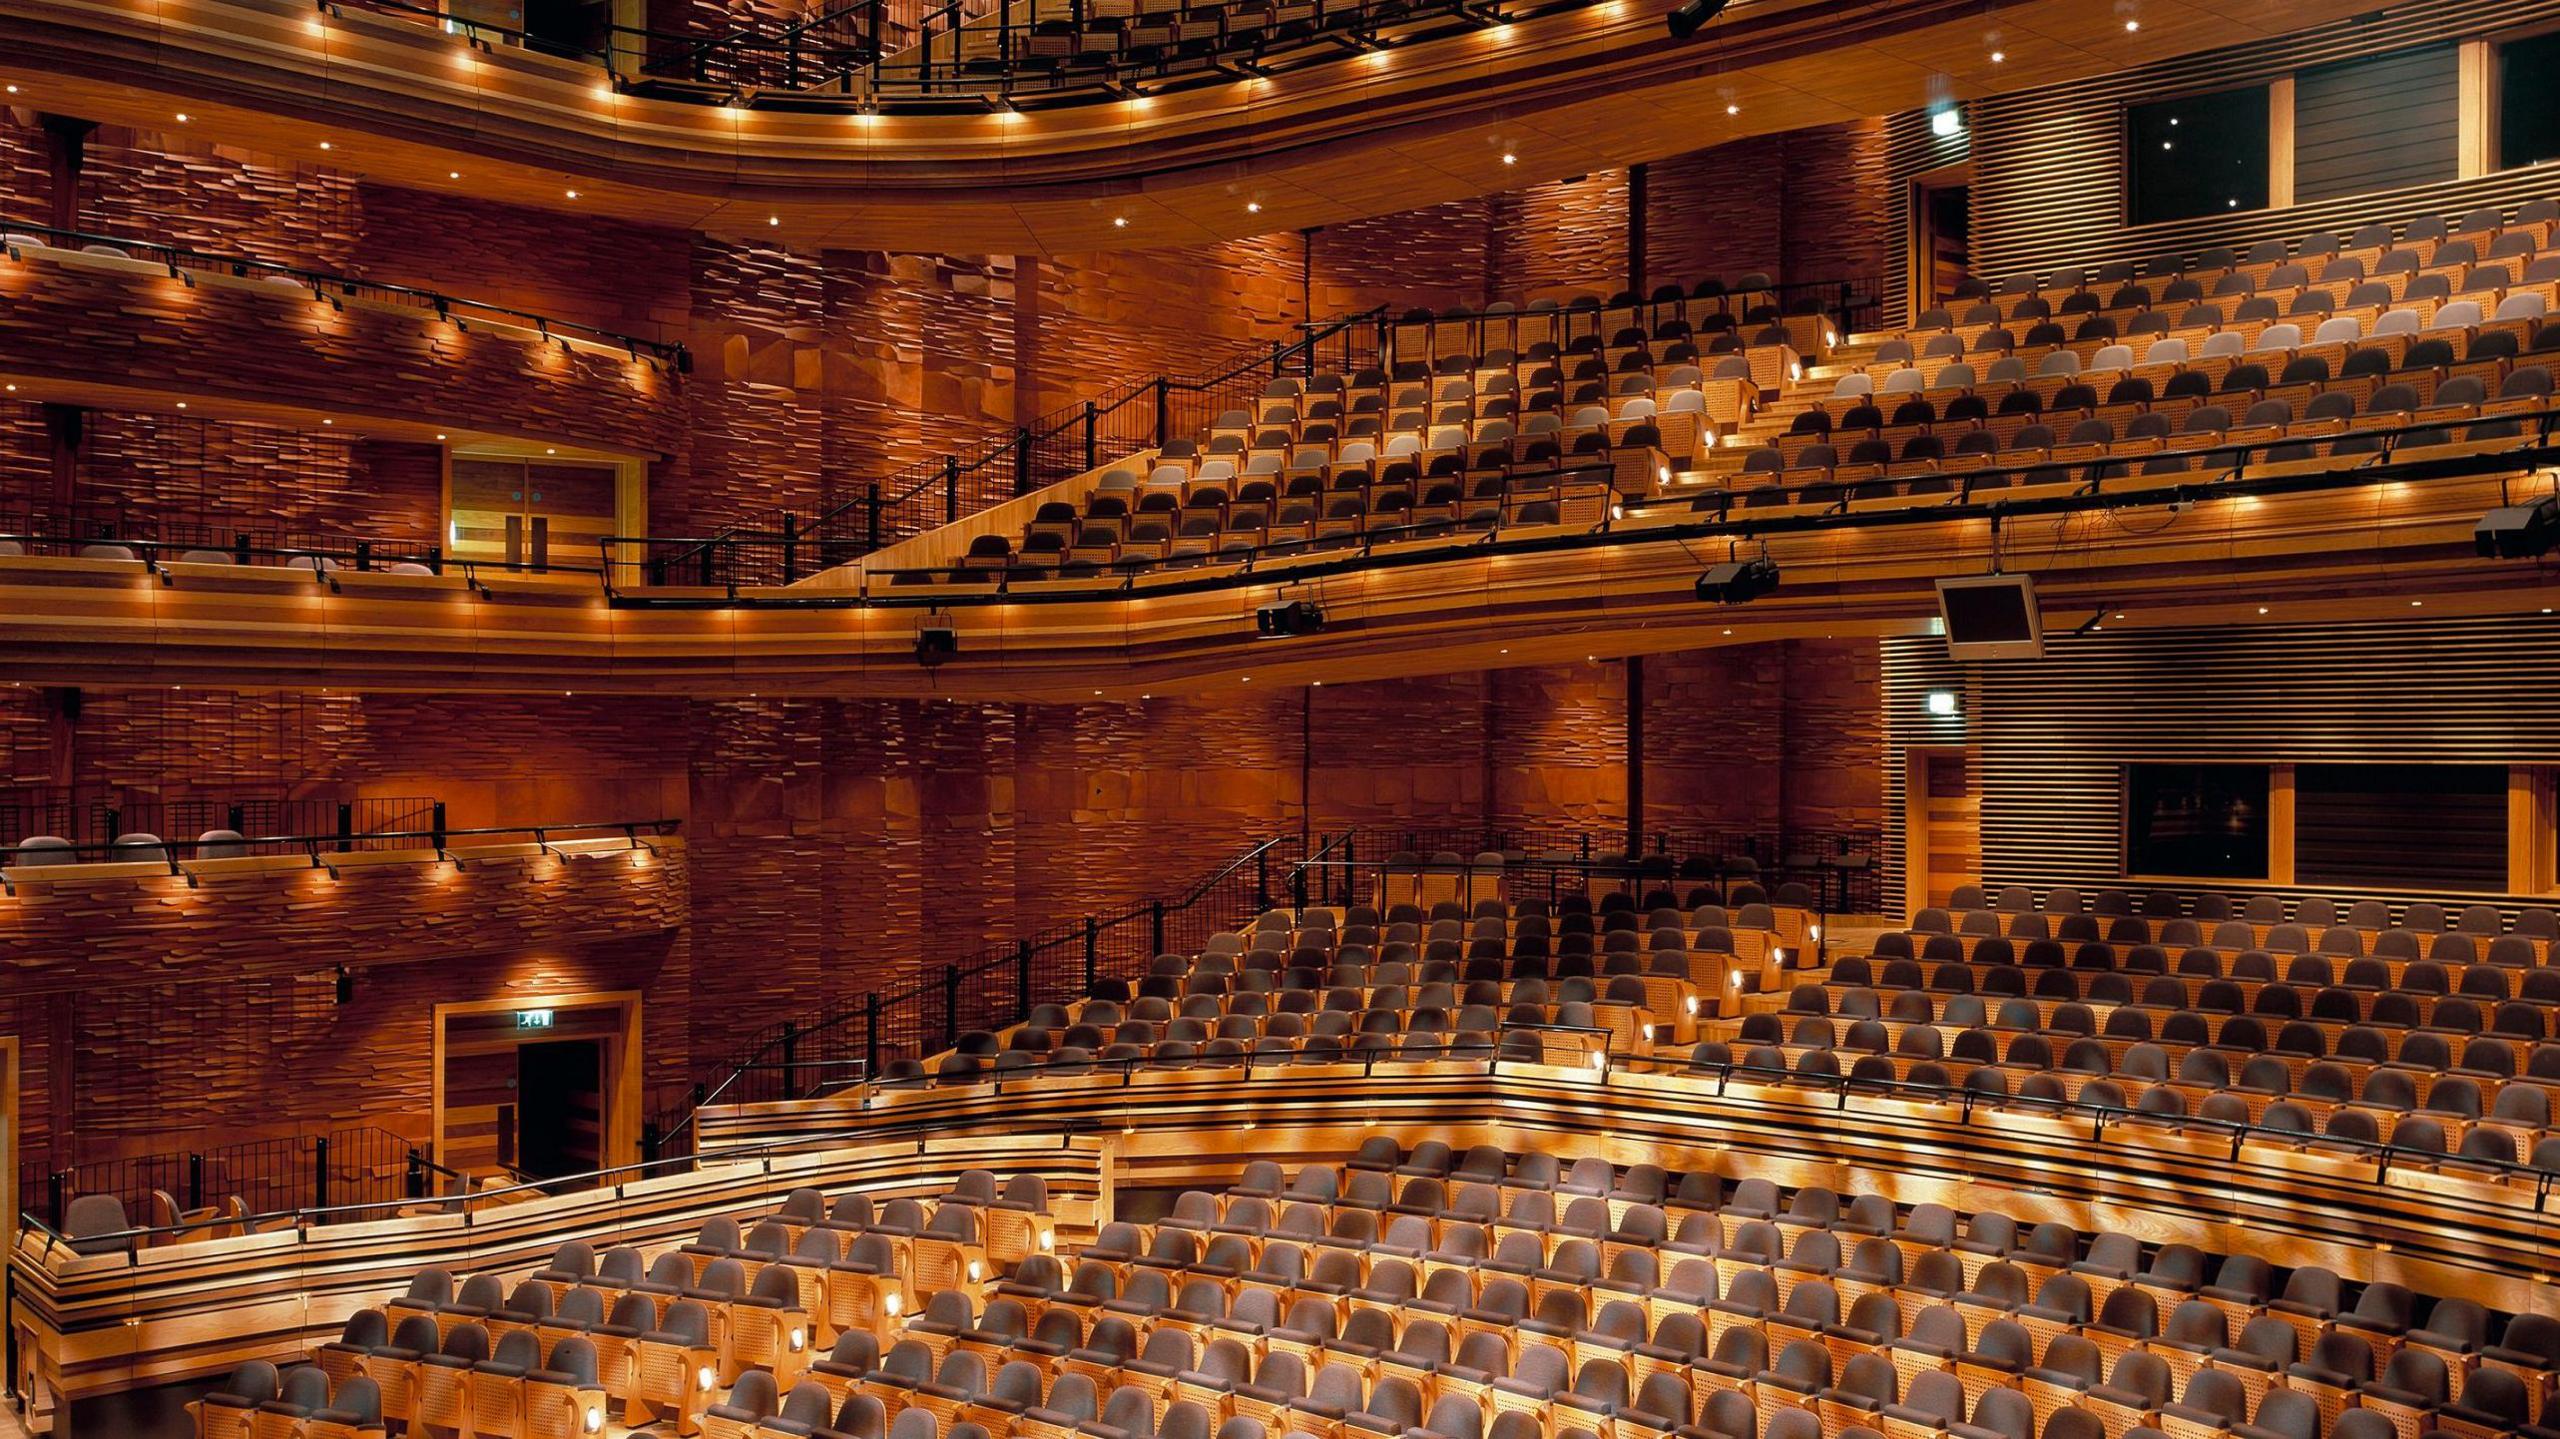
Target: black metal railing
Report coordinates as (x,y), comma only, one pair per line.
(1837,865)
(977,53)
(213,1186)
(852,1041)
(1135,416)
(330,288)
(111,531)
(2213,472)
(1713,1077)
(321,847)
(1850,304)
(101,819)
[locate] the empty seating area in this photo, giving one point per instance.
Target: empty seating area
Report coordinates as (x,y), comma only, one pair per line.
(2434,1035)
(1544,414)
(1422,1292)
(2292,353)
(638,1338)
(1568,983)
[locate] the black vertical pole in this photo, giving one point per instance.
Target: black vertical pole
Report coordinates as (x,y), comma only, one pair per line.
(1092,448)
(1022,980)
(1164,388)
(1635,756)
(1636,207)
(195,1181)
(347,828)
(1093,950)
(871,1036)
(872,500)
(790,1060)
(439,824)
(320,1172)
(790,547)
(950,489)
(950,1006)
(1022,462)
(1155,911)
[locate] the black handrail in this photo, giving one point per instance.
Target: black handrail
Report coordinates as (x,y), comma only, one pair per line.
(1728,517)
(1019,459)
(1724,1072)
(880,1017)
(327,563)
(330,287)
(437,840)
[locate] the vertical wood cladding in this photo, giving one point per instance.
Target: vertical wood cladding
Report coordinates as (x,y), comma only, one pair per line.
(2049,166)
(817,373)
(832,848)
(224,476)
(2049,738)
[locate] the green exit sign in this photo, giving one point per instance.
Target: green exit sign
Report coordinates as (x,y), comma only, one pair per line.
(533,1018)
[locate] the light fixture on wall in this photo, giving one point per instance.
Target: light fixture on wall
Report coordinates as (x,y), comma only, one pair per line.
(1689,18)
(1738,582)
(1288,617)
(936,642)
(1946,124)
(2519,532)
(1942,703)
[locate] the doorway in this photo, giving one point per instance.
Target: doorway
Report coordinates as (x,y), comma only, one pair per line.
(537,1088)
(1941,237)
(531,513)
(559,1108)
(1942,828)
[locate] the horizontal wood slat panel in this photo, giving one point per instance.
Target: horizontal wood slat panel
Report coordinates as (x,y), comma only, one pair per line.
(2048,192)
(2051,736)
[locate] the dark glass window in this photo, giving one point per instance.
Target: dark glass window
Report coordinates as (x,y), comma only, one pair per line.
(2204,820)
(2196,155)
(2528,103)
(2401,826)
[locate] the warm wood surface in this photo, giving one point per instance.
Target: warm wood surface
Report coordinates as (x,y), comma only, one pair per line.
(108,1323)
(2358,553)
(2439,1233)
(1586,89)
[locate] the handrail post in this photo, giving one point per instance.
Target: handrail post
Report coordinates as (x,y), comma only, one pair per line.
(1298,886)
(437,823)
(871,1037)
(54,1198)
(790,1060)
(1164,398)
(320,1172)
(413,1177)
(1262,878)
(951,1006)
(1155,911)
(195,1181)
(1022,980)
(347,828)
(1092,450)
(790,547)
(1022,461)
(1092,950)
(872,500)
(950,489)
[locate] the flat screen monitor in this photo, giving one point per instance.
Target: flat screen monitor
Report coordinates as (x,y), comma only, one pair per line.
(1991,617)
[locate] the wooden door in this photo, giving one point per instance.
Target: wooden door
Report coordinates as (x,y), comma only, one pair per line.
(1942,827)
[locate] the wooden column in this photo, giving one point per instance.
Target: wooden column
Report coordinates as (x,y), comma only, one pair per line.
(1635,755)
(1636,207)
(66,151)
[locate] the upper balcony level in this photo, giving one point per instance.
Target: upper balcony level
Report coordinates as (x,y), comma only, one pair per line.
(401,96)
